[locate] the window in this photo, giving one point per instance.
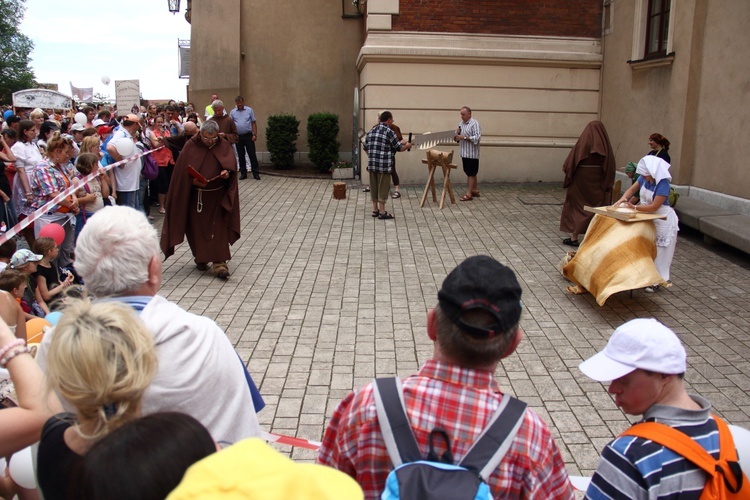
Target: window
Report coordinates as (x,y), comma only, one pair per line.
(657,28)
(653,33)
(607,17)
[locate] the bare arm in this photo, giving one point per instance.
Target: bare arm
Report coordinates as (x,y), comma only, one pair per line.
(22,426)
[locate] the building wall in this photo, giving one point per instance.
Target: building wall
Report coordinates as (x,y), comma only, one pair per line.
(699,101)
(531,95)
(282,57)
(581,18)
(214,52)
(721,140)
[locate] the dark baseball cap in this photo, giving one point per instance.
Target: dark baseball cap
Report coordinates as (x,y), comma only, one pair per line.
(481,282)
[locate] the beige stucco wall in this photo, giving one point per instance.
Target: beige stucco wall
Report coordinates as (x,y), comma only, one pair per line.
(699,101)
(532,96)
(214,52)
(721,140)
(283,57)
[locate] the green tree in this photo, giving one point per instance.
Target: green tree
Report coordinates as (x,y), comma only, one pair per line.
(15,47)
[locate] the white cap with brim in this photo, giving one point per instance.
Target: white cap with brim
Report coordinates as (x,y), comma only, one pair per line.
(642,344)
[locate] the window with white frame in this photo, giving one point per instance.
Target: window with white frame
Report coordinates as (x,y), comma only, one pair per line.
(608,17)
(657,28)
(653,31)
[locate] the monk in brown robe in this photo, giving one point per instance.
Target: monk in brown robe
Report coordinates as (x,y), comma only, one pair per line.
(204,206)
(589,175)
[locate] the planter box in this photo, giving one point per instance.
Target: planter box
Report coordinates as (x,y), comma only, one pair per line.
(342,173)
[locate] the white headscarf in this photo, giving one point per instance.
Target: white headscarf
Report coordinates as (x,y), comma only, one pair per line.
(655,167)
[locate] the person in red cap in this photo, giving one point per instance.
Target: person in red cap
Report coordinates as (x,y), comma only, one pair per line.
(474,325)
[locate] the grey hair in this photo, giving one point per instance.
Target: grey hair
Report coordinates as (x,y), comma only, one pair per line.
(209,127)
(114,251)
(217,102)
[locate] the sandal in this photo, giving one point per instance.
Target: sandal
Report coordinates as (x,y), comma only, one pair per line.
(396,195)
(375,213)
(466,198)
(475,194)
(385,216)
(572,243)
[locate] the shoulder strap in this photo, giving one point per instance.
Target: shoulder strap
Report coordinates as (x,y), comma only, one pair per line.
(394,423)
(496,438)
(727,466)
(677,441)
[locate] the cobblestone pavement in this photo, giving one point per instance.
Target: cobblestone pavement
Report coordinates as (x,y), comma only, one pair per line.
(323,298)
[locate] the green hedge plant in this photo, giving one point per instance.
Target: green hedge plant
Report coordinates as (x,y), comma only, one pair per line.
(322,134)
(282,132)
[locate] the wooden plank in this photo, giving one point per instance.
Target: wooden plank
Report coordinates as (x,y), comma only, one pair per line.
(639,217)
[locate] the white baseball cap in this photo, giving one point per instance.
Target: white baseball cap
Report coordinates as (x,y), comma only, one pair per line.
(639,343)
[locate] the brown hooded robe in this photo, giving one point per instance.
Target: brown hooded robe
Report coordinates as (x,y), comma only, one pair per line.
(589,175)
(210,231)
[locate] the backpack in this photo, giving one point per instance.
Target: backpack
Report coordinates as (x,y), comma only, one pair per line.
(149,168)
(437,477)
(726,480)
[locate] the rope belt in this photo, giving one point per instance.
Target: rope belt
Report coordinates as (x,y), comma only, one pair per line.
(199,208)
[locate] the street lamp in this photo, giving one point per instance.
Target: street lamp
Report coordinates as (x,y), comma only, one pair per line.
(174,6)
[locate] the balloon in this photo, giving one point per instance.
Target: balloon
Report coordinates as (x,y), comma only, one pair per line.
(53,317)
(54,231)
(741,438)
(21,469)
(124,146)
(105,80)
(35,329)
(80,118)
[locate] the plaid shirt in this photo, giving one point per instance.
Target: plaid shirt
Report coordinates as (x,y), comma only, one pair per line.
(44,180)
(381,145)
(461,401)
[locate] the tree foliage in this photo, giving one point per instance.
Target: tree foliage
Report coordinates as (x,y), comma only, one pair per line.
(15,48)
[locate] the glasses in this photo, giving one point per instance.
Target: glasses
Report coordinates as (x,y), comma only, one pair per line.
(209,139)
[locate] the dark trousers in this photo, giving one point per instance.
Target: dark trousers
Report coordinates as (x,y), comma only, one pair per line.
(245,143)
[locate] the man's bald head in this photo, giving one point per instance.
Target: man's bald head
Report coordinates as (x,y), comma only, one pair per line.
(190,128)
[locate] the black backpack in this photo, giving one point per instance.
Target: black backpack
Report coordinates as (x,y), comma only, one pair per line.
(437,476)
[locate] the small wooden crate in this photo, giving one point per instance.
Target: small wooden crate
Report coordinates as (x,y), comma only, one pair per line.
(339,190)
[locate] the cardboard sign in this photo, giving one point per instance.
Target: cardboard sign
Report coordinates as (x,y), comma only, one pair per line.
(128,96)
(41,98)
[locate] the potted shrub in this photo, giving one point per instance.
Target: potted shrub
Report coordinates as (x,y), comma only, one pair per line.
(342,170)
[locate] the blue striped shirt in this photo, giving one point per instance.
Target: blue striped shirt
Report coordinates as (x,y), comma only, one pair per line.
(637,468)
(470,147)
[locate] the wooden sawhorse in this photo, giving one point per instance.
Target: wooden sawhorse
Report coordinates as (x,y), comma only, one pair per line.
(435,158)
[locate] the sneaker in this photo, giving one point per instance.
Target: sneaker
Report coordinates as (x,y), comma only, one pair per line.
(652,289)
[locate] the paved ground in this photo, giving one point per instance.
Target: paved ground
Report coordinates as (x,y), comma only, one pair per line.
(322,298)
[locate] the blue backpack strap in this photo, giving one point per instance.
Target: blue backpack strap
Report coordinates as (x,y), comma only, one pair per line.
(394,423)
(494,442)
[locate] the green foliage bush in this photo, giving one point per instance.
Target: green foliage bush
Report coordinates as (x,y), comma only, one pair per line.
(322,134)
(282,132)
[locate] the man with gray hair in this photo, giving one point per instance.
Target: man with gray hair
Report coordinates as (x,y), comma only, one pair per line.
(199,372)
(202,201)
(227,127)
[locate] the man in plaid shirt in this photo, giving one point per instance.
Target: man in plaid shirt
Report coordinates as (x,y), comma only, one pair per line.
(381,145)
(473,326)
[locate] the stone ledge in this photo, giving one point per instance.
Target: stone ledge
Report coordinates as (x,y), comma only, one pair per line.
(690,211)
(715,223)
(734,230)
